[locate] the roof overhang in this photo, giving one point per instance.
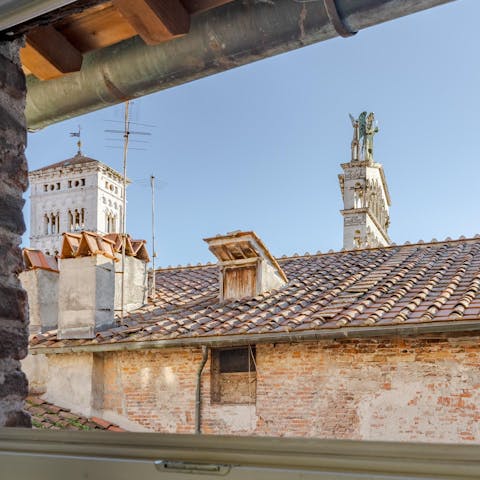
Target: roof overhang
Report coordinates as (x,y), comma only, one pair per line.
(231,35)
(343,333)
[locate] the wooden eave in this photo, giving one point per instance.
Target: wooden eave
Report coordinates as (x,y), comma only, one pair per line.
(54,49)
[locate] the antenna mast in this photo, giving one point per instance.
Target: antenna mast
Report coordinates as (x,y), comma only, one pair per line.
(126,134)
(154,253)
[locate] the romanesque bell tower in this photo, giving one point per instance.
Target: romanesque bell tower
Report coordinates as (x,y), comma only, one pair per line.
(77,194)
(366,200)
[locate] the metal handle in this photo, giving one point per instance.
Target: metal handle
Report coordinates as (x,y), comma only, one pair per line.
(185,467)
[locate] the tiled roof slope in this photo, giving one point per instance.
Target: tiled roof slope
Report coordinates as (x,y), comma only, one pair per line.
(78,159)
(51,417)
(397,285)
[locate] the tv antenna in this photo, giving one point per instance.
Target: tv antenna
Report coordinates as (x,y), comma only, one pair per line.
(154,252)
(126,132)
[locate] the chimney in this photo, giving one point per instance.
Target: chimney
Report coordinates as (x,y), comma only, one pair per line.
(87,285)
(136,261)
(40,280)
(246,266)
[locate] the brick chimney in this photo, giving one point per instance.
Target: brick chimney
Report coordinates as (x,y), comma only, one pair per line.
(246,266)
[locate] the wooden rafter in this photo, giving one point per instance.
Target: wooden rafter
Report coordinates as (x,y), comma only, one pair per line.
(155,20)
(48,54)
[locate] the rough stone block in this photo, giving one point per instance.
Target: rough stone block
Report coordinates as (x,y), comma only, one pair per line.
(12,79)
(13,304)
(15,384)
(11,216)
(13,343)
(18,419)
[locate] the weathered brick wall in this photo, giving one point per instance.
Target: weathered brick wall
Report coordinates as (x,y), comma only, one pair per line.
(423,389)
(13,182)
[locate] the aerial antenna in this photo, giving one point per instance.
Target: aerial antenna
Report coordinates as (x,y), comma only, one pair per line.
(79,143)
(154,252)
(126,132)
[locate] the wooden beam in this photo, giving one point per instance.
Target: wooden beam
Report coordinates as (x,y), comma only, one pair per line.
(97,27)
(155,20)
(199,6)
(48,54)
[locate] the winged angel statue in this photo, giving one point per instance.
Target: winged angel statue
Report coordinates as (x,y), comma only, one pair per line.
(364,128)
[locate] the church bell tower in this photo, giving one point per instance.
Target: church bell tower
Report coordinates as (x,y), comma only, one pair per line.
(366,201)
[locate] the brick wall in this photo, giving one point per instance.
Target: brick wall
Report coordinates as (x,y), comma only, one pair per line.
(419,389)
(13,182)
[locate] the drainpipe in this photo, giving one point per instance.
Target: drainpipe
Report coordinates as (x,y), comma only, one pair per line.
(198,392)
(222,38)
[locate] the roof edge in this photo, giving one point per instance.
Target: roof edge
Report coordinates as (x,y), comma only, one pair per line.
(281,337)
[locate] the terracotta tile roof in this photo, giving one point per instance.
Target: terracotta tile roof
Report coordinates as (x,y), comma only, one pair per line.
(48,416)
(36,259)
(397,285)
(87,243)
(76,160)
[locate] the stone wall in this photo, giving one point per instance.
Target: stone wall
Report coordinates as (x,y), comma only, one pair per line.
(419,389)
(13,182)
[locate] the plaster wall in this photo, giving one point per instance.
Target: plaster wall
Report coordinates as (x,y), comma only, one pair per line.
(86,296)
(42,289)
(423,389)
(36,370)
(69,382)
(269,277)
(135,283)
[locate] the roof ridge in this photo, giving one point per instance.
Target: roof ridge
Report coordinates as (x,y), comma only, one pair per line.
(434,241)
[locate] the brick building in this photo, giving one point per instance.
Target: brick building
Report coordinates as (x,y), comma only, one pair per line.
(375,343)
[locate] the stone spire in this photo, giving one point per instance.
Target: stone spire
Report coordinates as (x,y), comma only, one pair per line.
(366,200)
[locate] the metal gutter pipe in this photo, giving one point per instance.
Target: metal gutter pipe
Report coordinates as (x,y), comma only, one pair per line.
(222,38)
(198,391)
(385,331)
(14,12)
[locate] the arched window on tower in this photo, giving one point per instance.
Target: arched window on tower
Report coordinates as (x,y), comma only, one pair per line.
(46,224)
(53,224)
(77,222)
(70,221)
(82,219)
(110,222)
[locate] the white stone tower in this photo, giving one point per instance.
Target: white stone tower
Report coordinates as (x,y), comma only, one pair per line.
(366,200)
(73,195)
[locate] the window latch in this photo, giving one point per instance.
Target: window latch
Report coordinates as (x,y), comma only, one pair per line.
(186,467)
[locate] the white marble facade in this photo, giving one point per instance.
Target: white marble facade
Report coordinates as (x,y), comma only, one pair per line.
(77,194)
(366,202)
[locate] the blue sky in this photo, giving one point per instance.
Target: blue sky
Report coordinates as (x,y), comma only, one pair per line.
(259,147)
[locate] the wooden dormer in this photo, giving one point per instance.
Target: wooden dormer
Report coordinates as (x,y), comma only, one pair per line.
(246,266)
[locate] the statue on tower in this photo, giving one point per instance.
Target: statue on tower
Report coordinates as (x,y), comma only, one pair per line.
(364,128)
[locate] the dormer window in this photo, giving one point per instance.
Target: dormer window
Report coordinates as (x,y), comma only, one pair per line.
(246,266)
